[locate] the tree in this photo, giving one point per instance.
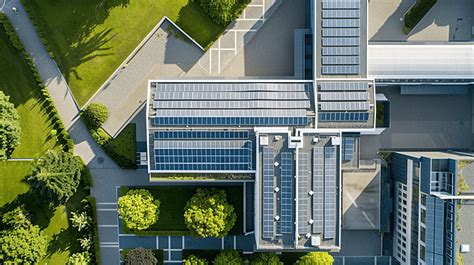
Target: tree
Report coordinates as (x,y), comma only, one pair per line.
(228,257)
(316,258)
(56,175)
(194,260)
(22,242)
(223,12)
(138,209)
(207,214)
(95,115)
(10,129)
(265,258)
(80,220)
(140,256)
(81,258)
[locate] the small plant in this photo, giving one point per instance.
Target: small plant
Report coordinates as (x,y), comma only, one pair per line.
(194,260)
(81,258)
(85,242)
(80,220)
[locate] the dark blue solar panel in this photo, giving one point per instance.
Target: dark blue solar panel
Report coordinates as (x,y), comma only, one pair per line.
(348,144)
(201,135)
(344,116)
(286,192)
(220,121)
(268,193)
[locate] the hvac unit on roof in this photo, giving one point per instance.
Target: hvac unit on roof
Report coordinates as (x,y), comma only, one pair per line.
(310,221)
(308,235)
(277,189)
(276,163)
(278,137)
(311,193)
(465,248)
(315,140)
(315,241)
(264,140)
(277,218)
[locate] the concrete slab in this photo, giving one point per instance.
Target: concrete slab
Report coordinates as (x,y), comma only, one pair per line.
(109,255)
(359,243)
(107,217)
(138,241)
(466,234)
(108,235)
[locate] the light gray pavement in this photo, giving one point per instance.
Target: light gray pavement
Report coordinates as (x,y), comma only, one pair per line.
(448,20)
(423,122)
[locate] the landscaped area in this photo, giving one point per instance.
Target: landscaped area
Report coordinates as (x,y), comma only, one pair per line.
(89,39)
(173,200)
(416,13)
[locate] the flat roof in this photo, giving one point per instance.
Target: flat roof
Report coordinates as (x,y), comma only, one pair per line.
(412,61)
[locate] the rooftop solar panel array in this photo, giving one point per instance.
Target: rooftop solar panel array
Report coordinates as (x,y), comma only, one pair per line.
(230,104)
(345,106)
(341,86)
(286,192)
(348,96)
(268,193)
(303,196)
(344,116)
(330,192)
(348,147)
(318,189)
(340,23)
(197,135)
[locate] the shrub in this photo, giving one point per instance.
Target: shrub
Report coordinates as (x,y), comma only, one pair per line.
(95,115)
(265,258)
(56,175)
(22,242)
(138,209)
(81,258)
(194,260)
(80,220)
(223,12)
(207,214)
(140,256)
(416,13)
(10,129)
(85,242)
(228,257)
(316,258)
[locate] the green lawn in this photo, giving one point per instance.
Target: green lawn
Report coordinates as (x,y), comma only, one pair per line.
(174,199)
(90,38)
(16,80)
(14,191)
(122,148)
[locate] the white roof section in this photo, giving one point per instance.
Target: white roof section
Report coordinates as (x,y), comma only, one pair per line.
(403,61)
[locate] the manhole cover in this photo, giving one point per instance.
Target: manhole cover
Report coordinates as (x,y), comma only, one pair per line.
(100,160)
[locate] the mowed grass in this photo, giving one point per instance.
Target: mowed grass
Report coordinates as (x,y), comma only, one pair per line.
(16,81)
(90,38)
(173,200)
(15,191)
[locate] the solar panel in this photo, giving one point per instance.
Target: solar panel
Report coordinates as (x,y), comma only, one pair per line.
(341,23)
(340,32)
(230,113)
(232,95)
(346,41)
(335,86)
(329,192)
(229,87)
(328,51)
(345,105)
(340,70)
(233,121)
(196,135)
(286,192)
(344,116)
(236,104)
(347,96)
(203,155)
(341,60)
(347,13)
(340,4)
(348,147)
(318,188)
(303,197)
(268,193)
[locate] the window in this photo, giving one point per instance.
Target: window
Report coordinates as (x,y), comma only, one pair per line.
(423,216)
(422,234)
(423,199)
(422,253)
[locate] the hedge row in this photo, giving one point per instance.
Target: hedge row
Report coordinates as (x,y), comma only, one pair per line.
(95,230)
(416,13)
(37,24)
(47,102)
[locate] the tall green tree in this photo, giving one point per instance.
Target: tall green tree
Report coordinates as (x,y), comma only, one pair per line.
(316,258)
(56,175)
(10,129)
(22,242)
(95,115)
(228,257)
(138,209)
(265,258)
(208,214)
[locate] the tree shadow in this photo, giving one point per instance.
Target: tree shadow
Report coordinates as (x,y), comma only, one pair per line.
(63,241)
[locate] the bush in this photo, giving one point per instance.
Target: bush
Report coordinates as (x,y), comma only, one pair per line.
(194,260)
(316,258)
(138,209)
(95,115)
(90,206)
(140,256)
(80,221)
(22,242)
(416,13)
(207,214)
(265,258)
(228,257)
(10,129)
(223,12)
(56,175)
(81,258)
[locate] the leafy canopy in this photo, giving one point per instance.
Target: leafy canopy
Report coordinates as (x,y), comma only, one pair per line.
(138,209)
(56,175)
(316,258)
(223,12)
(207,214)
(95,115)
(265,258)
(140,256)
(22,242)
(10,129)
(81,258)
(228,257)
(194,260)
